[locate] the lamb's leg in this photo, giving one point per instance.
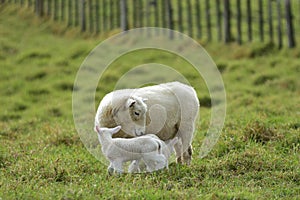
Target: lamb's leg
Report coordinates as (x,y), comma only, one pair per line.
(110,169)
(118,166)
(134,167)
(154,161)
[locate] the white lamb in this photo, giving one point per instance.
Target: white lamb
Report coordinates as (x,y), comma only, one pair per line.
(120,150)
(167,151)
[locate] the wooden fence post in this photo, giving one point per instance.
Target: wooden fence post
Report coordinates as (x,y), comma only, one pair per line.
(123,8)
(97,20)
(249,20)
(70,12)
(227,36)
(279,31)
(91,19)
(117,12)
(62,10)
(48,8)
(190,19)
(83,17)
(111,16)
(270,21)
(261,20)
(179,21)
(208,22)
(169,13)
(289,24)
(55,10)
(40,7)
(219,22)
(239,21)
(104,15)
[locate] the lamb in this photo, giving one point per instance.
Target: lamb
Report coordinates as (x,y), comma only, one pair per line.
(167,110)
(120,150)
(167,151)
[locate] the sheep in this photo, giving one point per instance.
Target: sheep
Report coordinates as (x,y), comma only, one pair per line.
(167,151)
(166,110)
(120,150)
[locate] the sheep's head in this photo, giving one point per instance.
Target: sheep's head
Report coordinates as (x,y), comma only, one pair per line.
(132,117)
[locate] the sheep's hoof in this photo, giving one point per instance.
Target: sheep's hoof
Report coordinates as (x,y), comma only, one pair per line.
(110,171)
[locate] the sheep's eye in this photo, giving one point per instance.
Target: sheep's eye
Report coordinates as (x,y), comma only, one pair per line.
(136,113)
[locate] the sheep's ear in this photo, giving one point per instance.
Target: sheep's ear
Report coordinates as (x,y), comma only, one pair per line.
(116,129)
(130,102)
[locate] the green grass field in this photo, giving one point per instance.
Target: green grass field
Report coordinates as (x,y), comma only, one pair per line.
(42,157)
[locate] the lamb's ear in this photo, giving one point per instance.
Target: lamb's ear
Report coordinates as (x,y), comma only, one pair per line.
(116,129)
(97,128)
(130,102)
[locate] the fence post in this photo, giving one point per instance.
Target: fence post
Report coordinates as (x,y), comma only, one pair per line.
(279,24)
(208,23)
(70,12)
(289,24)
(141,13)
(270,21)
(249,20)
(91,20)
(40,7)
(83,17)
(61,7)
(123,8)
(179,7)
(190,19)
(111,16)
(97,20)
(104,15)
(261,20)
(55,14)
(239,21)
(170,17)
(117,12)
(219,23)
(76,13)
(227,32)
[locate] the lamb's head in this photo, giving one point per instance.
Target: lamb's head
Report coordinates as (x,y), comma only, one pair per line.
(107,131)
(132,116)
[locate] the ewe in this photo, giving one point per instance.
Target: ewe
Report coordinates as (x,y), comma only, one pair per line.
(120,150)
(167,110)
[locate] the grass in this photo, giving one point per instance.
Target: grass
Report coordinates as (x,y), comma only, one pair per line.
(42,157)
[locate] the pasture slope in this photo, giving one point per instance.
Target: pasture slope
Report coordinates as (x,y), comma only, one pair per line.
(42,157)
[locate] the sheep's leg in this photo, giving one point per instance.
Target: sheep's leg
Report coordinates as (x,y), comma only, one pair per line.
(178,150)
(118,166)
(186,131)
(134,167)
(110,169)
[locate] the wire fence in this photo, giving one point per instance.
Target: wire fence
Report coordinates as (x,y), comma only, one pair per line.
(208,20)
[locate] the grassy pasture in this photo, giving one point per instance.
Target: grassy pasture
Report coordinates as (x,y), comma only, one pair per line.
(42,157)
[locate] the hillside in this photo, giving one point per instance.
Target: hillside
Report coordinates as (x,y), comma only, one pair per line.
(41,155)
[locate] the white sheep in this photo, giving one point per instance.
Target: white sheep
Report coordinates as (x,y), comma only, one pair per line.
(120,150)
(167,151)
(166,110)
